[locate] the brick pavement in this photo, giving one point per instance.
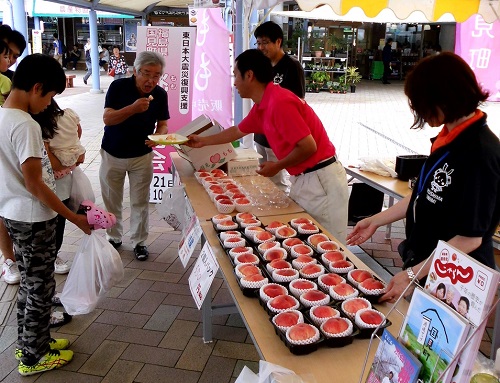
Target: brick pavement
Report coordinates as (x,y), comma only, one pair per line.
(147,329)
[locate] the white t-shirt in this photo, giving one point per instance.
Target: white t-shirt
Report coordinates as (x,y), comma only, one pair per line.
(20,139)
(66,145)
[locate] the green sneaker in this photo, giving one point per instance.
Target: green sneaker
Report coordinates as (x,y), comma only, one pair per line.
(51,360)
(55,344)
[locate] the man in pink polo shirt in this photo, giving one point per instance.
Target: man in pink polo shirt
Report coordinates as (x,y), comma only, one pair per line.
(296,135)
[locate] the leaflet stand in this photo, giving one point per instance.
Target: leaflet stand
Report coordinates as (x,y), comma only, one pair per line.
(414,283)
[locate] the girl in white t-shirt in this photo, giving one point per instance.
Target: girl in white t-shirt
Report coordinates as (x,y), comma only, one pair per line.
(63,138)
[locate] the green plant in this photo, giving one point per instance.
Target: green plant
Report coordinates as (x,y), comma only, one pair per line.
(352,75)
(320,77)
(316,45)
(338,43)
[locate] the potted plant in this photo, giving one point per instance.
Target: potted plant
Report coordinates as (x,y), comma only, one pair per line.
(352,77)
(317,47)
(320,78)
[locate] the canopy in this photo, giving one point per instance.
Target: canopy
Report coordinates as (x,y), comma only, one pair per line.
(325,12)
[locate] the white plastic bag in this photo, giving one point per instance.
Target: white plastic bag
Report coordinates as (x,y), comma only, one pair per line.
(81,189)
(96,268)
(381,166)
(173,206)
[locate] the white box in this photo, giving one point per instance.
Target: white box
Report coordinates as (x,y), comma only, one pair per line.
(246,163)
(208,157)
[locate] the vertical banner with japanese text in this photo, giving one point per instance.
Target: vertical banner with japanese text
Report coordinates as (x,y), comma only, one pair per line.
(176,44)
(478,43)
(212,90)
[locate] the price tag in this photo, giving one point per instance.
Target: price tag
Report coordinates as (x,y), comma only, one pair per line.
(203,274)
(190,236)
(159,182)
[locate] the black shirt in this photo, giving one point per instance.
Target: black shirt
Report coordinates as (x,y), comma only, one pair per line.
(460,196)
(126,140)
(289,74)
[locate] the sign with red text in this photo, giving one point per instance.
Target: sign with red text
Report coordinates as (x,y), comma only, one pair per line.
(478,43)
(203,274)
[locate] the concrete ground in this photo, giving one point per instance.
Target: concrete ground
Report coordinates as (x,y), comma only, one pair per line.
(148,329)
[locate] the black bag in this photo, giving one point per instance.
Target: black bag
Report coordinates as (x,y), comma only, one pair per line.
(364,201)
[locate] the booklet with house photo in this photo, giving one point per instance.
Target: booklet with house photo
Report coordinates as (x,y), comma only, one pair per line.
(434,333)
(393,362)
(467,286)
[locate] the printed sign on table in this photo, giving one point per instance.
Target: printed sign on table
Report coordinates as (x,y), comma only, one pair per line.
(190,237)
(203,275)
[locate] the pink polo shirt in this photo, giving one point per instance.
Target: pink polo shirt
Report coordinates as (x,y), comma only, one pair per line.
(286,119)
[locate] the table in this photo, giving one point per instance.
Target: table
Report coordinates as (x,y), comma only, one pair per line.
(346,363)
(393,187)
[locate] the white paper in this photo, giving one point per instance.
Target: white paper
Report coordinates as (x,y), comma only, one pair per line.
(203,275)
(190,236)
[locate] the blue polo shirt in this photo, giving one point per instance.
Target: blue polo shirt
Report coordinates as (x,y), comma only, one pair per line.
(126,140)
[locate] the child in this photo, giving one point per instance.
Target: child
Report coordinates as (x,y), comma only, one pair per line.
(62,130)
(28,207)
(5,83)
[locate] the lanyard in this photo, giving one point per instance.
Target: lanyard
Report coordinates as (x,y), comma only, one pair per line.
(422,180)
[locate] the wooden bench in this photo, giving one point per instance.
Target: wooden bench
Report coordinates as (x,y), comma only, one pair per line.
(69,80)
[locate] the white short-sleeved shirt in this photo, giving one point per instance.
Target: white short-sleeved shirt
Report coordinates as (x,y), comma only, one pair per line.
(21,139)
(67,131)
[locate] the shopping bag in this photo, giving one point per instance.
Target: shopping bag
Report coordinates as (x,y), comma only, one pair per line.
(173,206)
(112,72)
(81,190)
(97,267)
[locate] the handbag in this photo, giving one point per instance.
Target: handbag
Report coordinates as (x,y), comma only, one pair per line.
(112,72)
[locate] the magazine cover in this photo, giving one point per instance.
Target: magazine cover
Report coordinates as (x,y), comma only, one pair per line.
(467,286)
(434,333)
(393,362)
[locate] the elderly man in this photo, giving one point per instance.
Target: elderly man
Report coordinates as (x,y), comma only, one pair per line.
(296,135)
(135,107)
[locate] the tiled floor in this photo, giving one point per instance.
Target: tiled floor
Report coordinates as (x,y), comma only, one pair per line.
(148,329)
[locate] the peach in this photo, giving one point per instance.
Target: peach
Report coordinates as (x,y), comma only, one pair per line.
(314,295)
(332,256)
(227,223)
(317,238)
(341,264)
(283,302)
(239,249)
(308,226)
(273,290)
(331,279)
(286,319)
(302,249)
(244,216)
(247,258)
(328,246)
(286,231)
(275,224)
(203,174)
(233,239)
(268,245)
(360,275)
(300,221)
(301,284)
(371,317)
(272,254)
(239,195)
(353,305)
(230,186)
(217,171)
(372,284)
(285,272)
(242,201)
(216,189)
(263,236)
(279,264)
(304,259)
(335,325)
(253,278)
(225,202)
(250,221)
(324,311)
(343,289)
(311,269)
(248,269)
(221,216)
(301,331)
(292,242)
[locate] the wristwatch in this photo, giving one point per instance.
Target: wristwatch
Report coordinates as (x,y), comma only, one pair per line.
(410,273)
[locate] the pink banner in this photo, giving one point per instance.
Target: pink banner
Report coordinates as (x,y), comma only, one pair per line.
(478,43)
(212,89)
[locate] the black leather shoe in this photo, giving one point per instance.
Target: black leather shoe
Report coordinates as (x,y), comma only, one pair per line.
(85,81)
(141,252)
(115,244)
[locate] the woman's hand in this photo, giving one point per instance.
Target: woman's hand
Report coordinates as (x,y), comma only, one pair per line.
(195,141)
(396,286)
(363,230)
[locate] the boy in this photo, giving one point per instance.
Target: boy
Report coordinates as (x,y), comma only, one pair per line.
(28,208)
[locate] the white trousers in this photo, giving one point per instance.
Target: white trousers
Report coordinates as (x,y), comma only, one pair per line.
(112,177)
(282,178)
(324,195)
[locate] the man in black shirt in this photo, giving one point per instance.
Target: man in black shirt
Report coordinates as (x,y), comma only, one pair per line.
(289,74)
(386,58)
